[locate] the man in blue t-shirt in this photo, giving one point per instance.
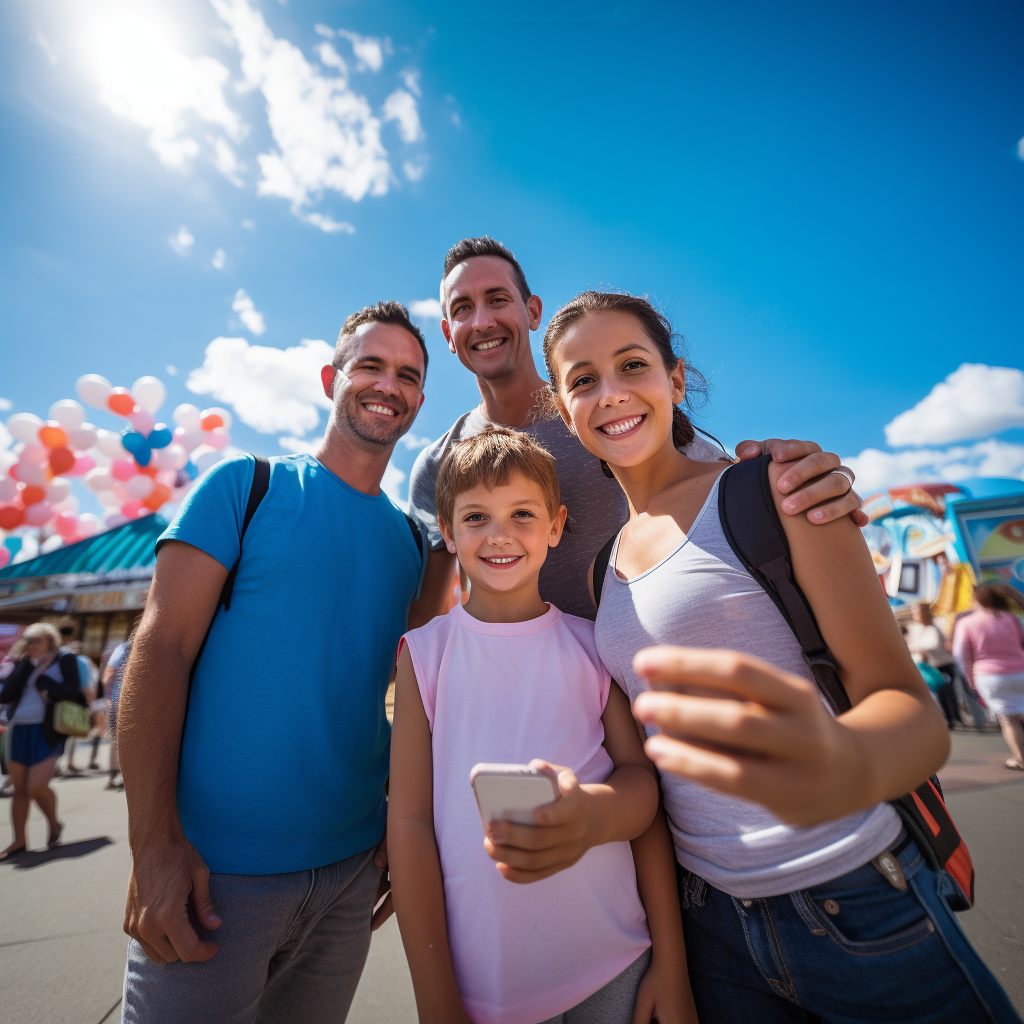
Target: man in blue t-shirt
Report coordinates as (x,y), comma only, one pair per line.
(254,879)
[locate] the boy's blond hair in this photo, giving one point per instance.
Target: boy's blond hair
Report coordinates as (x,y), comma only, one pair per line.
(492,458)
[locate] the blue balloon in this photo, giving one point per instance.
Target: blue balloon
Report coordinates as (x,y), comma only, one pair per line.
(160,436)
(136,445)
(192,469)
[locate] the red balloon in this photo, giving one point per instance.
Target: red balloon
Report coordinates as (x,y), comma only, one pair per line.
(61,460)
(11,517)
(156,497)
(120,401)
(30,495)
(211,422)
(52,434)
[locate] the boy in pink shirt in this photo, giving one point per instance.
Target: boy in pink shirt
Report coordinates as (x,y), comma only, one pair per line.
(508,678)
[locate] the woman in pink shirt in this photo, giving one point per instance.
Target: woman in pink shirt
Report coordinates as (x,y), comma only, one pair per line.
(989,645)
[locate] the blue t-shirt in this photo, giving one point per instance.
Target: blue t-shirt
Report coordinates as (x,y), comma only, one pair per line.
(286,743)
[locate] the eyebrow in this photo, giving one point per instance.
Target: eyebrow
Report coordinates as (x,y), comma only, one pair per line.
(377,361)
(617,352)
(520,501)
(488,291)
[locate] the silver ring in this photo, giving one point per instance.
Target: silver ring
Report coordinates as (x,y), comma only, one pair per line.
(843,471)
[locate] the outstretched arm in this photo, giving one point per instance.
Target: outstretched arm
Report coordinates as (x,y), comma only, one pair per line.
(417,885)
(814,482)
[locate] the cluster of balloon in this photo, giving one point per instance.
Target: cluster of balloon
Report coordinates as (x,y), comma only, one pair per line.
(132,472)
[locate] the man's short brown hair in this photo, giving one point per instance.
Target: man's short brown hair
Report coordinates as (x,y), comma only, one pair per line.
(467,248)
(492,458)
(389,312)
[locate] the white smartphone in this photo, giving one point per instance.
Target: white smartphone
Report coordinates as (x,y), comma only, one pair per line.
(510,792)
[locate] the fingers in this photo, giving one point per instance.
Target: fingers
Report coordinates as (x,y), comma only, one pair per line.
(188,947)
(860,518)
(737,675)
(380,856)
(202,904)
(789,451)
(382,913)
(809,468)
(743,726)
(748,449)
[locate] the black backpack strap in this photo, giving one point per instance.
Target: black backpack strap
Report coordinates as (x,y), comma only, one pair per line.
(601,567)
(754,531)
(257,492)
(419,535)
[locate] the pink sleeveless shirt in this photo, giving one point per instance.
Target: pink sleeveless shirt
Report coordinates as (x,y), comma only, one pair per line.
(508,692)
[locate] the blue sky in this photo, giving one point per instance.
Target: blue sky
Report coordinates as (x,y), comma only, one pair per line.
(826,199)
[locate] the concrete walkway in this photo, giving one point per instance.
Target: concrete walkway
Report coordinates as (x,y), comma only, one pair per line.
(62,949)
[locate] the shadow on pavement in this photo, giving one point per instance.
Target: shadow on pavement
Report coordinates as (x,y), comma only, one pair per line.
(64,852)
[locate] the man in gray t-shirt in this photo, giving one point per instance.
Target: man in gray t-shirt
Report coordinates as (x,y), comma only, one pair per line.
(489,313)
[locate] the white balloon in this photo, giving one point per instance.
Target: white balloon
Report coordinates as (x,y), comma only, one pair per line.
(108,499)
(142,421)
(94,390)
(149,393)
(109,443)
(222,413)
(29,473)
(99,480)
(112,519)
(57,489)
(187,416)
(8,488)
(82,438)
(51,543)
(69,504)
(24,426)
(34,453)
(68,413)
(173,457)
(139,486)
(204,457)
(218,438)
(88,524)
(189,439)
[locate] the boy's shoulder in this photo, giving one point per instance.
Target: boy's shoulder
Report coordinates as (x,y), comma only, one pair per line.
(582,631)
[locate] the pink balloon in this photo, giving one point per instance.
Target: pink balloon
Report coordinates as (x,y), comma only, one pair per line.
(142,421)
(30,473)
(66,525)
(83,463)
(8,488)
(36,454)
(5,556)
(218,438)
(131,509)
(122,469)
(39,514)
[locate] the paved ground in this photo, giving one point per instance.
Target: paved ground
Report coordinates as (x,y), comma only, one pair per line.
(62,948)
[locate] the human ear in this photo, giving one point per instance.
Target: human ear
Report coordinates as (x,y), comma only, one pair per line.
(557,525)
(678,379)
(449,543)
(327,374)
(447,332)
(535,308)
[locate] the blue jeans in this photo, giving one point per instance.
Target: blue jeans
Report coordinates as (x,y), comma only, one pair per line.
(852,950)
(290,951)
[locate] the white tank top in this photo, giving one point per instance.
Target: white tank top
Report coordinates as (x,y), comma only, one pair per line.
(701,596)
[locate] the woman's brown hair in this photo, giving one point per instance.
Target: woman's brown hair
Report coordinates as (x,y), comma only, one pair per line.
(655,326)
(997,597)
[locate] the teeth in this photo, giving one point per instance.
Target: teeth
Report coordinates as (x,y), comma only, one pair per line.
(485,346)
(502,561)
(621,426)
(382,409)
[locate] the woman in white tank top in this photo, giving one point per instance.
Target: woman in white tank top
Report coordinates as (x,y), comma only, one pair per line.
(778,810)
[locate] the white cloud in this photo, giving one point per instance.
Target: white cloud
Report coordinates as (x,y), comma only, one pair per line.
(325,134)
(182,241)
(146,80)
(324,30)
(974,400)
(328,224)
(877,470)
(415,170)
(393,478)
(411,78)
(219,260)
(414,443)
(271,390)
(400,106)
(299,445)
(367,49)
(330,57)
(249,225)
(226,161)
(172,370)
(247,312)
(426,309)
(5,404)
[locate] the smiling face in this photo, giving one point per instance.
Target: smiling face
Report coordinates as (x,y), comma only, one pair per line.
(613,389)
(487,322)
(501,534)
(378,389)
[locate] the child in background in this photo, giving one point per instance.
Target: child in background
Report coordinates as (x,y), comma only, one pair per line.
(508,678)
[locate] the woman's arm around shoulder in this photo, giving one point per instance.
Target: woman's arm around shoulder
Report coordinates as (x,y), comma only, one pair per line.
(417,885)
(898,735)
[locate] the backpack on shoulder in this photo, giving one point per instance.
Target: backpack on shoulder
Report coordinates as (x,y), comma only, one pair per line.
(752,527)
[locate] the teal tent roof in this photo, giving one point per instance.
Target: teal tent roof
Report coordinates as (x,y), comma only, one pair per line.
(130,546)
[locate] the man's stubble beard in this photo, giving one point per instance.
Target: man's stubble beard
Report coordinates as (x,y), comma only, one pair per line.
(351,411)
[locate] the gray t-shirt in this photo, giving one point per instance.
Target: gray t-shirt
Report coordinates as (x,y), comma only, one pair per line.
(596,505)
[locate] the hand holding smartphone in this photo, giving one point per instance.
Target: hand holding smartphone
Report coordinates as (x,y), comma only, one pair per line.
(511,792)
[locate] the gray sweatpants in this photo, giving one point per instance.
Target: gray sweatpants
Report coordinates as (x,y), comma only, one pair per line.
(613,1004)
(291,949)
